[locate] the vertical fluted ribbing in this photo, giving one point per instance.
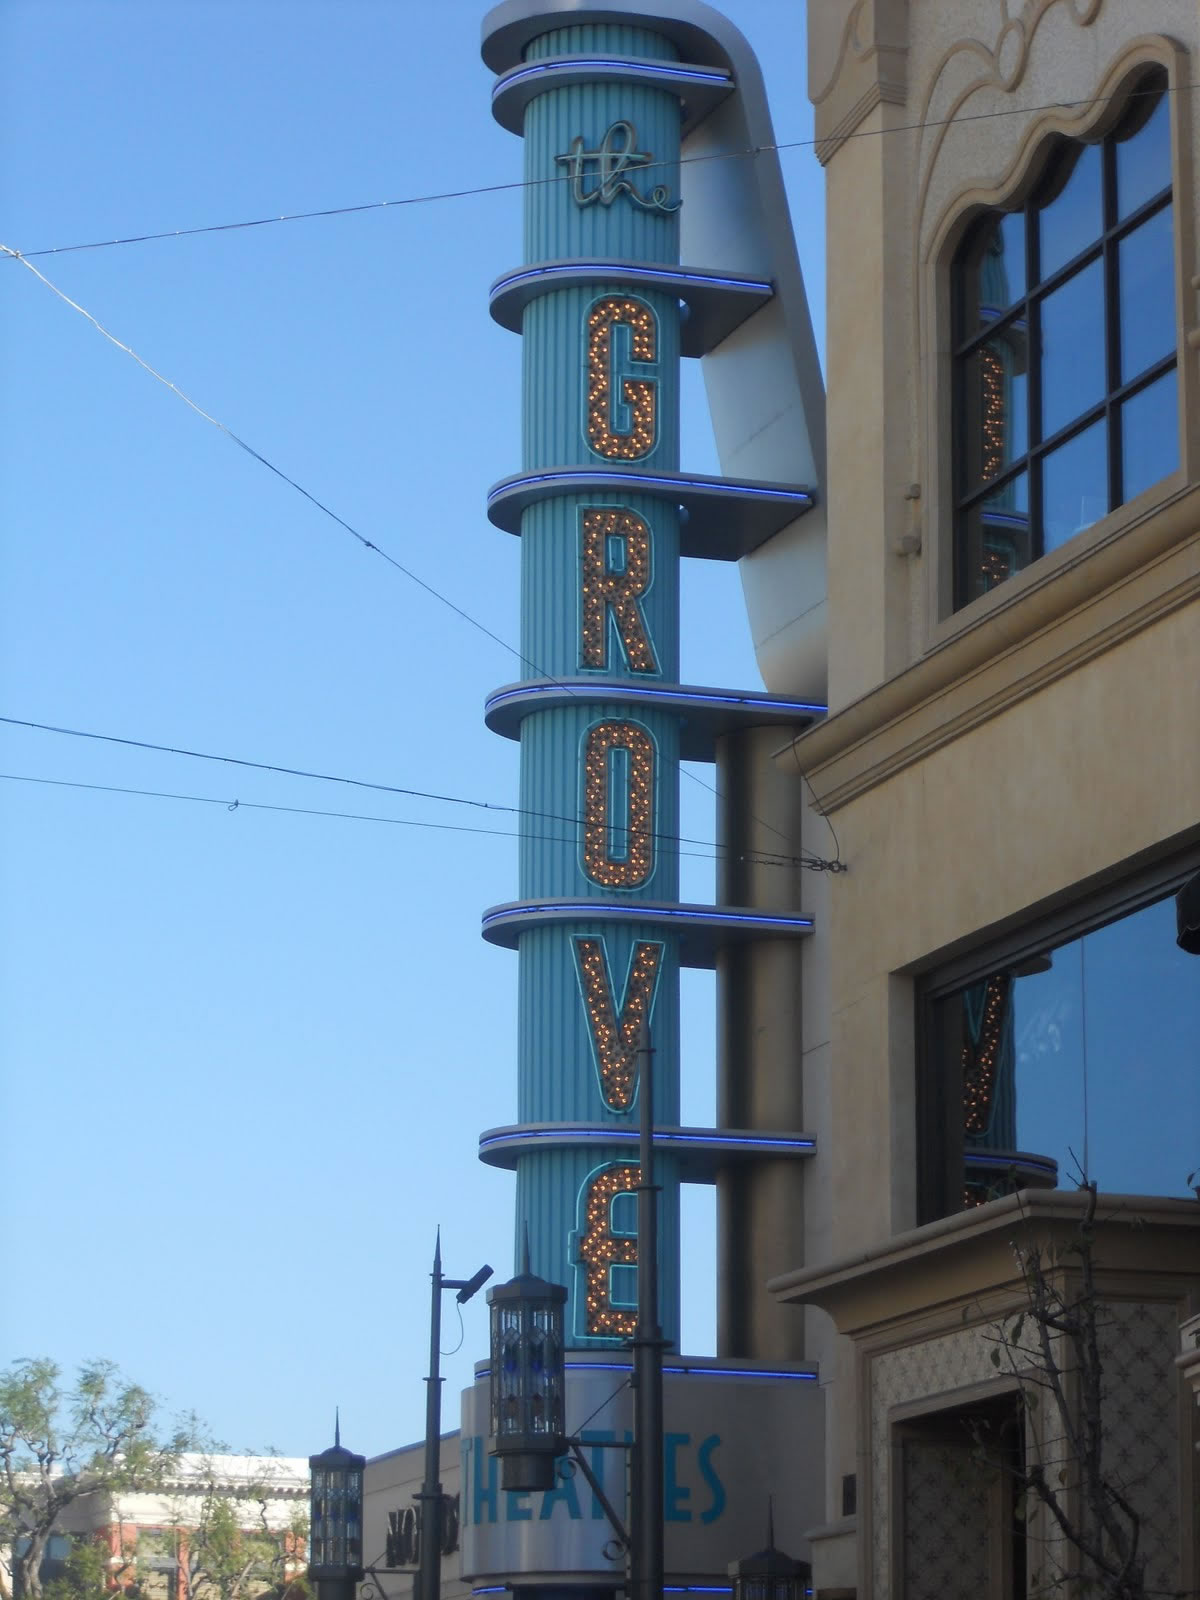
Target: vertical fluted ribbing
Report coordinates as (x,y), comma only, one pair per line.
(558,1080)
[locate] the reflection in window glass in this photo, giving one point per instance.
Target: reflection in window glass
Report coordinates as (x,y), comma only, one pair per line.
(1085,1056)
(995,274)
(1146,274)
(1074,486)
(1144,156)
(1039,355)
(995,400)
(1072,220)
(998,533)
(1150,435)
(1073,375)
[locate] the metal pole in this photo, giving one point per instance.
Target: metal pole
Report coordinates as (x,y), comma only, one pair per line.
(646,1564)
(429,1577)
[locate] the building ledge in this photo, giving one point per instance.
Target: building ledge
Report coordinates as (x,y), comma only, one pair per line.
(1038,627)
(967,1257)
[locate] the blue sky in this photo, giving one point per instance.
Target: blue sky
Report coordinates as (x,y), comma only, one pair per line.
(247,1055)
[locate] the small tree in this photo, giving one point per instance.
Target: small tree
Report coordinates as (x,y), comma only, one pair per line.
(60,1445)
(1054,1348)
(227,1548)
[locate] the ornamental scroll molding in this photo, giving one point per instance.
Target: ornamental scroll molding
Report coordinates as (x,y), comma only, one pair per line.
(857,60)
(963,129)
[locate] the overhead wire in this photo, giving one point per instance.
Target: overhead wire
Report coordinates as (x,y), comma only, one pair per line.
(779,146)
(238,804)
(749,151)
(762,858)
(806,857)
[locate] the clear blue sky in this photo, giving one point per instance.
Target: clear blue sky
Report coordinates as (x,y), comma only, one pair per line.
(247,1056)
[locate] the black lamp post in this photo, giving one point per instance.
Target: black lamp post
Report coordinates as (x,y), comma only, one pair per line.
(429,1577)
(527,1413)
(335,1520)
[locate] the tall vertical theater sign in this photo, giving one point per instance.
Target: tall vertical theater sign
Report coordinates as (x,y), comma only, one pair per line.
(603,97)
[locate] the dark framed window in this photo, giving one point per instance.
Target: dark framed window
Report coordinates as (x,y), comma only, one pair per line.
(1065,400)
(1072,1047)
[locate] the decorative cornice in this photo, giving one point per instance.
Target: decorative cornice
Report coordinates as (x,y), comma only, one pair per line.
(968,1256)
(870,68)
(1140,572)
(876,94)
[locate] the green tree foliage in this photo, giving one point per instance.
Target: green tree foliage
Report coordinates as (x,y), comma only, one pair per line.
(60,1443)
(86,1574)
(227,1550)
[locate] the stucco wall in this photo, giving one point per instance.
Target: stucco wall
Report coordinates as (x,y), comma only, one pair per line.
(922,113)
(1086,773)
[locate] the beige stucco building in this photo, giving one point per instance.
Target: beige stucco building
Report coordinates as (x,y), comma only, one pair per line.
(1012,766)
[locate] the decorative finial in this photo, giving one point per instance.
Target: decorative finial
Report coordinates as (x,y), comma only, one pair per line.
(437,1250)
(337,1426)
(525,1267)
(770,1522)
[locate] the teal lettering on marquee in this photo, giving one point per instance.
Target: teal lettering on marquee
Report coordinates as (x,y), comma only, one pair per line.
(598,1438)
(483,1496)
(675,1494)
(517,1507)
(563,1494)
(709,1473)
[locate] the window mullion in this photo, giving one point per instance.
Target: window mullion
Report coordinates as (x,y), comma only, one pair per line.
(1112,323)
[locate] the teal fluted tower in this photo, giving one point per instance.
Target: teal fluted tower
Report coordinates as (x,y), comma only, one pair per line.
(604,95)
(604,514)
(600,599)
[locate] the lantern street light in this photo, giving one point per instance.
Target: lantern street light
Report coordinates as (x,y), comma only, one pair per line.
(335,1520)
(527,1413)
(769,1574)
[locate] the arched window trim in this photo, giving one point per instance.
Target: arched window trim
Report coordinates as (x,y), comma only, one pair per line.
(1028,197)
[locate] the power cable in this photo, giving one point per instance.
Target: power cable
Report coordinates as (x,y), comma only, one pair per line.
(761,858)
(806,857)
(207,416)
(309,811)
(837,864)
(531,183)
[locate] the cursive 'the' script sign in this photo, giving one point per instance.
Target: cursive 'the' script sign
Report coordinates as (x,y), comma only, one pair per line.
(600,175)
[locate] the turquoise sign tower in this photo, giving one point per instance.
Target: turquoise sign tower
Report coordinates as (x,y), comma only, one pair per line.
(604,515)
(616,101)
(600,600)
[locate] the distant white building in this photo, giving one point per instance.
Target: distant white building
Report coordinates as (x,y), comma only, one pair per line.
(154,1539)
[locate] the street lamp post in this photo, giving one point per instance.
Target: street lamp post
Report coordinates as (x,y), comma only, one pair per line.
(646,1547)
(429,1574)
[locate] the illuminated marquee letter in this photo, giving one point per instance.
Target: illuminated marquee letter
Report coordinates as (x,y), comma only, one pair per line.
(601,1248)
(640,395)
(619,590)
(615,1038)
(618,777)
